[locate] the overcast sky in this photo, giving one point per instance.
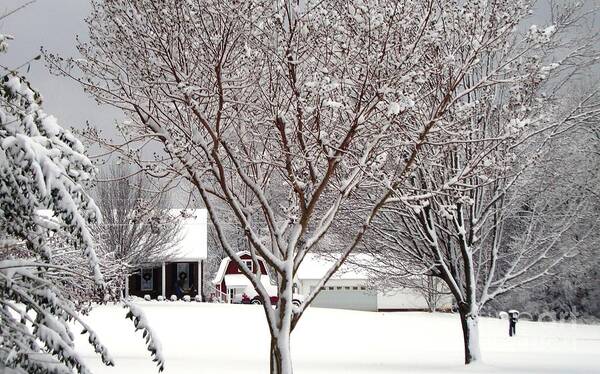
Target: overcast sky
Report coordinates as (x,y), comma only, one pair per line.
(53,24)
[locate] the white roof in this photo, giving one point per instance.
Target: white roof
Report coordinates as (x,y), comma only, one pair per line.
(315,266)
(193,235)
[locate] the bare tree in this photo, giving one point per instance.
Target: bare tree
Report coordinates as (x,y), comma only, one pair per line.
(137,226)
(570,288)
(298,105)
(499,225)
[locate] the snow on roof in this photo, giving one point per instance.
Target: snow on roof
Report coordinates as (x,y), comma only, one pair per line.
(47,219)
(221,271)
(315,266)
(193,235)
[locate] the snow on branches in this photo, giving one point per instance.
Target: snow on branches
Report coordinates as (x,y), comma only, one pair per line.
(141,323)
(42,167)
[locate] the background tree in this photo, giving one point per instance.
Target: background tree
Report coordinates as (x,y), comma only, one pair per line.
(569,290)
(499,225)
(137,226)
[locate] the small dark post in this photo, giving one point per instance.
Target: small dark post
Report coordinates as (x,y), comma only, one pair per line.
(513,317)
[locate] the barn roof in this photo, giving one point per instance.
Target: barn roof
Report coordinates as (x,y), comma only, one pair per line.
(223,267)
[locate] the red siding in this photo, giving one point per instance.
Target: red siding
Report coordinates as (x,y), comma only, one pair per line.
(233,268)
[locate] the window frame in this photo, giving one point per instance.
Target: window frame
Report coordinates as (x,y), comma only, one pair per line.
(249,264)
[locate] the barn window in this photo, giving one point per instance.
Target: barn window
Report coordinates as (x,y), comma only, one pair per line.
(355,288)
(249,264)
(338,288)
(363,288)
(147,280)
(330,288)
(347,288)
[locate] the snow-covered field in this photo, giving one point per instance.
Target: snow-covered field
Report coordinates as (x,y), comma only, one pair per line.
(218,339)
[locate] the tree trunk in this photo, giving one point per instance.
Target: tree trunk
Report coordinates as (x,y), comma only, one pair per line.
(470,327)
(280,356)
(281,359)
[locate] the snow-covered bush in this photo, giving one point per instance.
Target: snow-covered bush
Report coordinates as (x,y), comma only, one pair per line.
(43,169)
(147,297)
(198,298)
(187,298)
(173,298)
(160,298)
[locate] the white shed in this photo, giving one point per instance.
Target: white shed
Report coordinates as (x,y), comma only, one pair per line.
(347,289)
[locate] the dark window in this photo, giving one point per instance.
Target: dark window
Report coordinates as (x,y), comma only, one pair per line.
(147,280)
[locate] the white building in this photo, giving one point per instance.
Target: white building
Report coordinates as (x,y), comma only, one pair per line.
(348,289)
(185,264)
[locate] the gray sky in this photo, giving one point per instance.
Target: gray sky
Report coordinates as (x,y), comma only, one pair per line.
(54,25)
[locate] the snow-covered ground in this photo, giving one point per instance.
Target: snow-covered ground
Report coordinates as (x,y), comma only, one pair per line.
(219,339)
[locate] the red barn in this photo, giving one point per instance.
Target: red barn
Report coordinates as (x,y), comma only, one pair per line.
(232,286)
